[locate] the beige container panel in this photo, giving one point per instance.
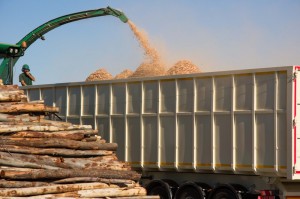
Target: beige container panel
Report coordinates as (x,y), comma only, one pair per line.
(103,128)
(61,100)
(88,100)
(265,142)
(88,121)
(134,97)
(282,91)
(48,96)
(118,98)
(203,92)
(203,142)
(34,94)
(167,142)
(281,142)
(185,142)
(168,96)
(150,97)
(223,93)
(222,142)
(243,92)
(185,95)
(73,120)
(265,91)
(150,142)
(103,98)
(118,135)
(219,120)
(243,142)
(74,101)
(134,141)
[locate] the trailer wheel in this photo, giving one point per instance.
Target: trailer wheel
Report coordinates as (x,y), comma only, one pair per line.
(161,188)
(190,190)
(225,191)
(223,194)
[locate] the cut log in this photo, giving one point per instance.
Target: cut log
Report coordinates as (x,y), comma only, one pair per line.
(68,173)
(88,164)
(54,151)
(93,179)
(44,161)
(36,102)
(107,192)
(32,161)
(32,191)
(16,107)
(9,168)
(136,197)
(21,184)
(86,132)
(34,134)
(4,88)
(19,118)
(17,127)
(92,139)
(55,196)
(58,143)
(11,96)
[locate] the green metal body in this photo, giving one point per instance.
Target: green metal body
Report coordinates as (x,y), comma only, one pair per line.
(10,50)
(9,60)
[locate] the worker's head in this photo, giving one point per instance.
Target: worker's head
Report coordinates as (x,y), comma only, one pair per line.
(25,67)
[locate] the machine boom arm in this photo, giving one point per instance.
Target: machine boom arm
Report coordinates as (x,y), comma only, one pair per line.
(8,62)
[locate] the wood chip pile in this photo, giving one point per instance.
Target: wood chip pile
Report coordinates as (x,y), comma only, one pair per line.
(98,75)
(42,158)
(183,67)
(149,69)
(124,74)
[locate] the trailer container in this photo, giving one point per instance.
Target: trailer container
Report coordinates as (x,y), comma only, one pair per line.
(229,134)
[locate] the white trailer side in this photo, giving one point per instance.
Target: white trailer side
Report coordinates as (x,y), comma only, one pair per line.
(231,127)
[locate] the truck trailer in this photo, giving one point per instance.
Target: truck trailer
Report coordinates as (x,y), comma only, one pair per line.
(227,134)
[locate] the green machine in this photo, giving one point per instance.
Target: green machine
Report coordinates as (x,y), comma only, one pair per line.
(10,53)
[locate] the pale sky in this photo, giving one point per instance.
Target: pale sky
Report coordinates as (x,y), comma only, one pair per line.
(214,35)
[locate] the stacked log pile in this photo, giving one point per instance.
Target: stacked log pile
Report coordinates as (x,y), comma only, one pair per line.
(41,158)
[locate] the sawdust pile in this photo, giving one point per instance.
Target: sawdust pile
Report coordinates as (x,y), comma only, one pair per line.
(183,67)
(153,64)
(148,70)
(124,74)
(98,75)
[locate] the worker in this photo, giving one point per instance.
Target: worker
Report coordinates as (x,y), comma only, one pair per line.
(26,77)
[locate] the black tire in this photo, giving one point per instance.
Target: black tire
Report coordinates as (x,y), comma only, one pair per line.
(189,192)
(161,191)
(160,188)
(224,193)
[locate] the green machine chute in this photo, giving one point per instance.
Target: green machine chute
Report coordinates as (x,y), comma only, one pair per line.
(10,53)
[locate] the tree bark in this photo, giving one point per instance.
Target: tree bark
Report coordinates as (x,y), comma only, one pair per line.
(55,196)
(16,127)
(107,192)
(52,189)
(35,174)
(21,184)
(58,143)
(54,151)
(16,160)
(35,134)
(19,118)
(20,107)
(93,179)
(4,88)
(47,162)
(11,96)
